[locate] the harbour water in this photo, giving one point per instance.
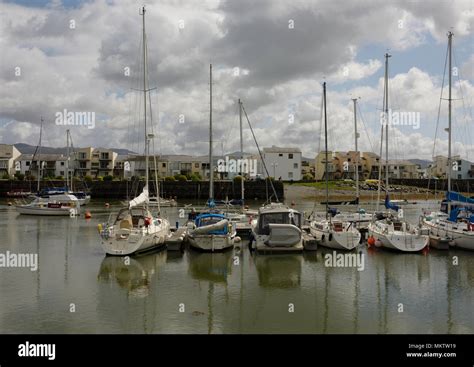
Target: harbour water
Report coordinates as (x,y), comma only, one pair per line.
(77,289)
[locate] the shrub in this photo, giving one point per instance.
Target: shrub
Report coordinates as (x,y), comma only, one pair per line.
(108,178)
(20,176)
(308,177)
(60,178)
(5,176)
(195,177)
(170,178)
(181,177)
(238,179)
(100,178)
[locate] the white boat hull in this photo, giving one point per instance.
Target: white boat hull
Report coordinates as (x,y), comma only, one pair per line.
(30,210)
(459,238)
(398,240)
(124,242)
(336,240)
(211,242)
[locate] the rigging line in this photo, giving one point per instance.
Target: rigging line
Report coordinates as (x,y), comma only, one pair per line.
(463,103)
(260,153)
(439,113)
(359,110)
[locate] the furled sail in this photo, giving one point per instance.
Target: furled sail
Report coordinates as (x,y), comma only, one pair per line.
(140,199)
(389,205)
(458,198)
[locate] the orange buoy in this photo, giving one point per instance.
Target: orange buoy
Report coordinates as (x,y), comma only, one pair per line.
(371,241)
(88,215)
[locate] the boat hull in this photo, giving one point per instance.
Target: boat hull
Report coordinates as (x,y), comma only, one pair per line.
(336,240)
(398,240)
(29,210)
(211,242)
(459,238)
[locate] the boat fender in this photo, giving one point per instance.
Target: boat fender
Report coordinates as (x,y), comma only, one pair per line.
(330,237)
(147,221)
(99,227)
(371,241)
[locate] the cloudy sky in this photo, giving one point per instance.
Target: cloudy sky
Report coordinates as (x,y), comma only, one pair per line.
(84,56)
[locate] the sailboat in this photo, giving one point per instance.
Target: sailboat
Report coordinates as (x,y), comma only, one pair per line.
(135,228)
(48,192)
(360,218)
(211,231)
(62,204)
(454,224)
(393,232)
(333,233)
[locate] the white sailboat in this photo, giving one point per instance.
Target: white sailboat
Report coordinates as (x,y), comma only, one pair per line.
(450,227)
(211,231)
(393,232)
(62,204)
(331,232)
(135,228)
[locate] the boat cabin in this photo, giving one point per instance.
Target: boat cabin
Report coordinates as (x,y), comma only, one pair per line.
(277,216)
(132,218)
(208,219)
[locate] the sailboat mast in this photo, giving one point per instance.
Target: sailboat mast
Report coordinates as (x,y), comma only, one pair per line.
(387,123)
(147,143)
(326,152)
(356,134)
(39,154)
(211,171)
(67,160)
(450,165)
(241,154)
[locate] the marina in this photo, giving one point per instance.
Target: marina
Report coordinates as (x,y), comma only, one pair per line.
(236,291)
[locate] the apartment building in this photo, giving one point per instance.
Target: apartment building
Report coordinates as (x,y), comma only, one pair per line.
(52,165)
(94,162)
(461,169)
(282,163)
(8,156)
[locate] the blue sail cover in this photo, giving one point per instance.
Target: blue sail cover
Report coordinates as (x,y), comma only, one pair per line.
(389,205)
(456,197)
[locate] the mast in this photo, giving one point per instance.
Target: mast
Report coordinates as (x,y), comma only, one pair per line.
(450,165)
(39,154)
(356,134)
(147,142)
(326,152)
(387,123)
(67,159)
(211,171)
(241,154)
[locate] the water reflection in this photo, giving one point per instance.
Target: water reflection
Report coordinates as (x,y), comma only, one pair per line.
(133,274)
(279,271)
(212,267)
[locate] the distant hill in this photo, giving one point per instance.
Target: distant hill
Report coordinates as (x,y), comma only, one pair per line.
(421,162)
(30,149)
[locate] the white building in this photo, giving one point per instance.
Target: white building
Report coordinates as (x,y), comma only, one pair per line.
(282,163)
(461,168)
(52,165)
(8,155)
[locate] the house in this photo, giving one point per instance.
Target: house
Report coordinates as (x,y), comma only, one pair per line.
(282,163)
(8,155)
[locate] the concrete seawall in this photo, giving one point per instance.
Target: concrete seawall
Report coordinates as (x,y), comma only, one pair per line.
(182,190)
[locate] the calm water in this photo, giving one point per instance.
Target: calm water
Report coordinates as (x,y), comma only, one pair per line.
(218,295)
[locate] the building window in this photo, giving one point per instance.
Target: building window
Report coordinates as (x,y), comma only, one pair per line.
(295,165)
(280,155)
(196,165)
(459,177)
(290,175)
(163,165)
(61,173)
(62,163)
(290,156)
(28,163)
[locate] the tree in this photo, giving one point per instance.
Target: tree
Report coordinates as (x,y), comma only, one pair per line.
(308,177)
